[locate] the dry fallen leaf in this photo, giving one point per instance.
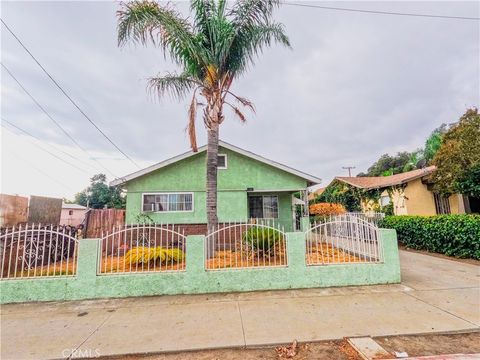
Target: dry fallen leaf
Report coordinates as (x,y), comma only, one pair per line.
(287,352)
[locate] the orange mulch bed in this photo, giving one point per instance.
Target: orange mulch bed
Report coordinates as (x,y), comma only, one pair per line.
(327,254)
(55,269)
(112,264)
(246,258)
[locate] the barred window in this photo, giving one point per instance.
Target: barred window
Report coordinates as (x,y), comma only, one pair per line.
(442,205)
(164,202)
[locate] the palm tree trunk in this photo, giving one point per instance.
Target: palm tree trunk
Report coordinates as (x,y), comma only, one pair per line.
(212,159)
(214,119)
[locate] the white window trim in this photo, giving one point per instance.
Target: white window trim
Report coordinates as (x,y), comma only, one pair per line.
(169,193)
(385,197)
(226,162)
(263,209)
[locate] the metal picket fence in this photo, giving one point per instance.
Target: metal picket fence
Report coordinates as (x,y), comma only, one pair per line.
(34,250)
(142,248)
(370,216)
(239,245)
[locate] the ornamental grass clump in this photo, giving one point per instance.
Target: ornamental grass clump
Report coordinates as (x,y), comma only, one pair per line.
(262,238)
(144,255)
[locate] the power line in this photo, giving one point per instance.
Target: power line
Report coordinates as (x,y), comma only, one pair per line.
(53,154)
(43,172)
(384,12)
(53,120)
(38,139)
(68,96)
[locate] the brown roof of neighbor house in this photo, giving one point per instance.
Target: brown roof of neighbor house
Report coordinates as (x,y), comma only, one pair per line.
(316,193)
(375,182)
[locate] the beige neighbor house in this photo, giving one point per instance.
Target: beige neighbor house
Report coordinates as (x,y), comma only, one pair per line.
(72,214)
(410,192)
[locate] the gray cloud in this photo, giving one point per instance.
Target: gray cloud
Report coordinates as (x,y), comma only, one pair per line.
(355,86)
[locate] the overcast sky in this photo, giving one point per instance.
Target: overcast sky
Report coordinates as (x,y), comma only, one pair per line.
(354,86)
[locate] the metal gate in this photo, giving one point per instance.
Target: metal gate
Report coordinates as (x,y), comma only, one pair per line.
(343,239)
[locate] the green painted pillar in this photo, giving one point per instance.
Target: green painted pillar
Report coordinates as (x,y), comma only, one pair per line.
(296,251)
(304,223)
(388,240)
(82,285)
(87,258)
(194,261)
(195,275)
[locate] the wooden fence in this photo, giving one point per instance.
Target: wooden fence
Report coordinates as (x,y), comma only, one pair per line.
(13,209)
(98,221)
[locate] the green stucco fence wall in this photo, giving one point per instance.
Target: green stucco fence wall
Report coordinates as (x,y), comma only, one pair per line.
(195,280)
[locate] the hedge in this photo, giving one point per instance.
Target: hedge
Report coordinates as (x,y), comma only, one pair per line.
(453,235)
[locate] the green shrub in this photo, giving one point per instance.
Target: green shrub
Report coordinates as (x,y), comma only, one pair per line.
(452,235)
(262,238)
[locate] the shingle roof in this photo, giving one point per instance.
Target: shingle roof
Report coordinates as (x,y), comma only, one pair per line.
(375,182)
(316,193)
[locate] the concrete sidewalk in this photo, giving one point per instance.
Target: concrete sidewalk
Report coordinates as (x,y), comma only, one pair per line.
(436,295)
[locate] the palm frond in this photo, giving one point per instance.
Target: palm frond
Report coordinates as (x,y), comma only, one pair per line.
(203,12)
(237,112)
(246,13)
(176,85)
(251,42)
(143,21)
(192,115)
(245,102)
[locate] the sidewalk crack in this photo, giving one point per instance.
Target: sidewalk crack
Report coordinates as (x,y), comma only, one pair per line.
(439,308)
(241,321)
(89,336)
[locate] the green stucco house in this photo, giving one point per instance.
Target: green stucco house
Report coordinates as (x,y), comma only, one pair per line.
(249,186)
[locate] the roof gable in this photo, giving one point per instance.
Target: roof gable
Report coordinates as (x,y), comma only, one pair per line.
(376,182)
(312,180)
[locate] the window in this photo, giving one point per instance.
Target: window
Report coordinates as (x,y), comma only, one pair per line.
(385,200)
(222,161)
(265,207)
(70,212)
(442,205)
(168,202)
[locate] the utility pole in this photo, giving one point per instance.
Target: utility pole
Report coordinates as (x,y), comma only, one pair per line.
(349,168)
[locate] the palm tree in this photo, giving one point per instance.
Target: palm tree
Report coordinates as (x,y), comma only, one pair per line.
(213,49)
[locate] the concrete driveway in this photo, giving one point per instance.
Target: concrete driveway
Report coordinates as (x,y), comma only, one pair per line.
(436,295)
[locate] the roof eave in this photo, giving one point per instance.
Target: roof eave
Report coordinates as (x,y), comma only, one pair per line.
(311,180)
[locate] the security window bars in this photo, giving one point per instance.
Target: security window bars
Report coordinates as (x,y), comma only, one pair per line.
(169,202)
(263,207)
(442,205)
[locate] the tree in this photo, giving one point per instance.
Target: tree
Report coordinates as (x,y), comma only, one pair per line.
(99,195)
(468,183)
(433,143)
(458,158)
(213,49)
(389,165)
(340,193)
